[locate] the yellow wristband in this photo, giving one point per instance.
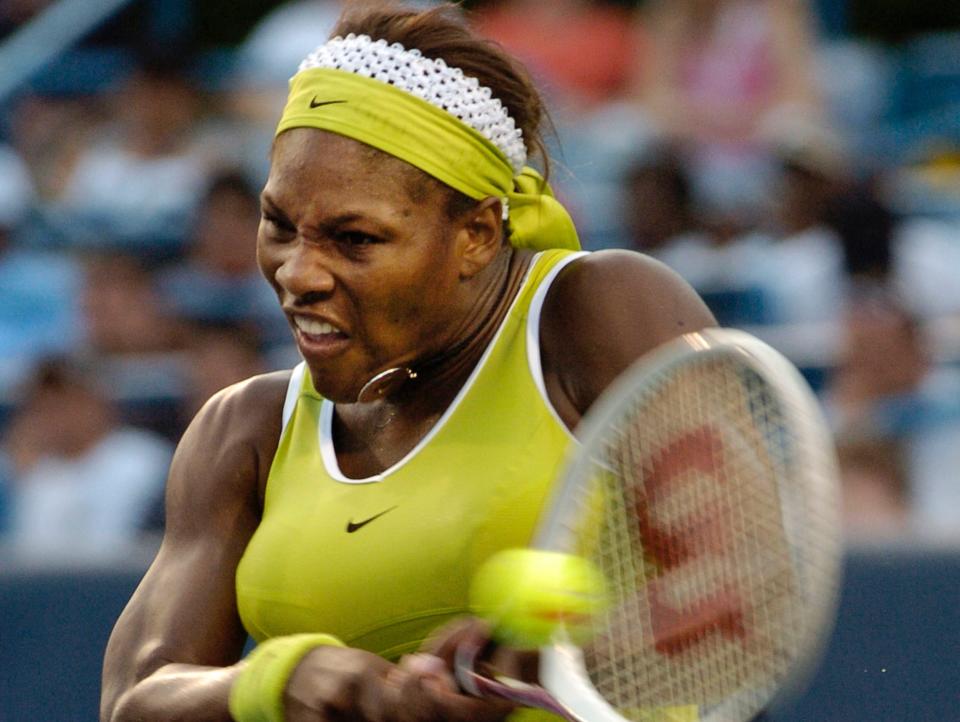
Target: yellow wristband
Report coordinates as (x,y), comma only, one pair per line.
(257,693)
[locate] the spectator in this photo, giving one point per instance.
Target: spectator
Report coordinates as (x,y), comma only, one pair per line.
(123,313)
(897,423)
(659,204)
(665,221)
(13,13)
(219,355)
(37,288)
(50,133)
(833,235)
(284,36)
(135,340)
(137,186)
(803,270)
(926,245)
(219,280)
(81,480)
(714,70)
(581,50)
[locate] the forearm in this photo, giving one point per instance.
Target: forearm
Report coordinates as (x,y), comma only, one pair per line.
(178,692)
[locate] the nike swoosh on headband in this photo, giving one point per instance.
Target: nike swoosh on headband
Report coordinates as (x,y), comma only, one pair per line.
(314,103)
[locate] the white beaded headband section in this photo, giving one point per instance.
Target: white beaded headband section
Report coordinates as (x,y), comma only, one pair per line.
(429,79)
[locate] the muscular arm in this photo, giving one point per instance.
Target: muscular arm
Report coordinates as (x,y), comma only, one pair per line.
(171,653)
(602,313)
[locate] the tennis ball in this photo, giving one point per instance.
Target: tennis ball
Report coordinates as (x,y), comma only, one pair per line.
(528,594)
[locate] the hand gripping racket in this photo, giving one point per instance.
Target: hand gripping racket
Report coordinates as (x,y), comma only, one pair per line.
(706,491)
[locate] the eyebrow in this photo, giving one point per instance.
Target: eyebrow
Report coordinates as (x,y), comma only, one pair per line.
(267,202)
(334,223)
(331,224)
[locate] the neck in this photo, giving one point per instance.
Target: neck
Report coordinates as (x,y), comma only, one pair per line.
(435,377)
(454,361)
(377,431)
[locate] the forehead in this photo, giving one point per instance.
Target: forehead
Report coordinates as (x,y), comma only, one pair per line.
(315,166)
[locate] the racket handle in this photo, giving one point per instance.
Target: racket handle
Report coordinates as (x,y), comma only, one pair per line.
(526,695)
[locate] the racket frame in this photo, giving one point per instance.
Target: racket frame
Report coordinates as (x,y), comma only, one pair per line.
(562,672)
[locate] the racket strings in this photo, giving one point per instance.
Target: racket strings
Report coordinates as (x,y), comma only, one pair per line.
(707,604)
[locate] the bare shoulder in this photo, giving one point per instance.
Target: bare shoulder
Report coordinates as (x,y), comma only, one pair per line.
(609,283)
(229,446)
(248,406)
(261,396)
(603,312)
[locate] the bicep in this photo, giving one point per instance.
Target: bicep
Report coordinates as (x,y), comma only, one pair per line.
(605,312)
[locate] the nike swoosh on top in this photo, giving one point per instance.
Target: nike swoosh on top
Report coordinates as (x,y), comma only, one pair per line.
(318,103)
(354,526)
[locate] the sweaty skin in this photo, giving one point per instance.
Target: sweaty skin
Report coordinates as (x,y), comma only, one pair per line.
(372,273)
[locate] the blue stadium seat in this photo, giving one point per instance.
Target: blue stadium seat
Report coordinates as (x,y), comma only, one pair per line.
(738,306)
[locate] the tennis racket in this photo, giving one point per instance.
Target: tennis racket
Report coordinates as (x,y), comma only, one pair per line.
(706,491)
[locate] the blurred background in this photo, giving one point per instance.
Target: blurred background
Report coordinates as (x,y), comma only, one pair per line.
(797,161)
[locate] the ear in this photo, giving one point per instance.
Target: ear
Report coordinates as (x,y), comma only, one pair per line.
(479,236)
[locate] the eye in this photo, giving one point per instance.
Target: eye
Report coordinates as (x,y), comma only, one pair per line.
(276,221)
(357,238)
(275,228)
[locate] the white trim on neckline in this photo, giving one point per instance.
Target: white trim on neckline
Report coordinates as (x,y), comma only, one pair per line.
(293,393)
(325,427)
(534,359)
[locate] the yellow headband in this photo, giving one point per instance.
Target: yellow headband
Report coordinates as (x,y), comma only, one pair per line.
(433,140)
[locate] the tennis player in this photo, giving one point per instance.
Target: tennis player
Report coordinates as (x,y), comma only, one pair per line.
(453,336)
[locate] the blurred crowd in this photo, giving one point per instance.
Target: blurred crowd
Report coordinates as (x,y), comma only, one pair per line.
(770,159)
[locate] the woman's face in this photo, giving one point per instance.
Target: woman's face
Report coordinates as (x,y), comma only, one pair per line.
(363,258)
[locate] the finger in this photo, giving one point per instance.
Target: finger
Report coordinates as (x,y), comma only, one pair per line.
(431,671)
(421,699)
(379,699)
(336,682)
(421,663)
(407,699)
(455,707)
(467,631)
(441,637)
(516,663)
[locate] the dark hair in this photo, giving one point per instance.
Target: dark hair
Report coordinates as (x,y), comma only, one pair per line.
(230,180)
(165,63)
(441,33)
(59,373)
(665,166)
(866,228)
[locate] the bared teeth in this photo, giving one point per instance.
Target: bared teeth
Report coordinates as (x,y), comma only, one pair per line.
(312,327)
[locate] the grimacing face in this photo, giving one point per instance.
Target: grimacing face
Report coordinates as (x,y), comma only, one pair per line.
(365,261)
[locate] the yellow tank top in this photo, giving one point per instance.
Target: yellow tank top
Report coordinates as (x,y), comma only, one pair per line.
(383,561)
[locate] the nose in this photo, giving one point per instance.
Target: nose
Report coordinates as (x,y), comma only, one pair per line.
(303,272)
